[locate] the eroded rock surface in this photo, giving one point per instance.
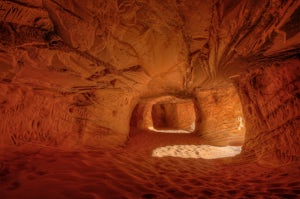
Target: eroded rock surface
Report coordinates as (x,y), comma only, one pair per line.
(221,119)
(270,99)
(72,72)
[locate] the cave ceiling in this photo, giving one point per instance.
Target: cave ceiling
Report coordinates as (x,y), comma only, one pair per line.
(141,45)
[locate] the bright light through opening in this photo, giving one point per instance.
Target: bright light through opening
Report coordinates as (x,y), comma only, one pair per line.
(197,151)
(168,131)
(192,128)
(241,123)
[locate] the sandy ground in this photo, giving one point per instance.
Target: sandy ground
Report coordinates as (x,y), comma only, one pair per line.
(131,172)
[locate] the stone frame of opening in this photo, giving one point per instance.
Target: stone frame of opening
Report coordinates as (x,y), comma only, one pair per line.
(142,115)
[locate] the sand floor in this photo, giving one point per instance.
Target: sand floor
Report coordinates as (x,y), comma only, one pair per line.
(131,172)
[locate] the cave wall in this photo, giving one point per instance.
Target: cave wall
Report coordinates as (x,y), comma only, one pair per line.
(107,120)
(220,116)
(186,115)
(27,116)
(86,62)
(270,97)
(224,36)
(40,75)
(91,119)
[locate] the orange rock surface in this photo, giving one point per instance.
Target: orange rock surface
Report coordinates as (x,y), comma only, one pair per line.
(89,89)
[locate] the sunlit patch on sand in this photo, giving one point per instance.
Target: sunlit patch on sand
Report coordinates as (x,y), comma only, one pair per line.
(192,128)
(197,151)
(168,131)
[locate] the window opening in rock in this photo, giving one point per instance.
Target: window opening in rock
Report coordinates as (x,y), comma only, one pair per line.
(173,117)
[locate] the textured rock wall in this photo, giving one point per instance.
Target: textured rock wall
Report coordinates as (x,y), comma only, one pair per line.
(220,116)
(270,97)
(186,115)
(101,56)
(92,119)
(29,116)
(108,117)
(125,34)
(223,36)
(93,58)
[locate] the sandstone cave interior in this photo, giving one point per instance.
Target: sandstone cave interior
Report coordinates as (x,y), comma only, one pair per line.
(128,99)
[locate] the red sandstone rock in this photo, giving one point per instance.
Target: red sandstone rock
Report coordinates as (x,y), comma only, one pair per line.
(82,75)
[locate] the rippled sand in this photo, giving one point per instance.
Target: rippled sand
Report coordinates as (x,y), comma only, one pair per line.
(131,172)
